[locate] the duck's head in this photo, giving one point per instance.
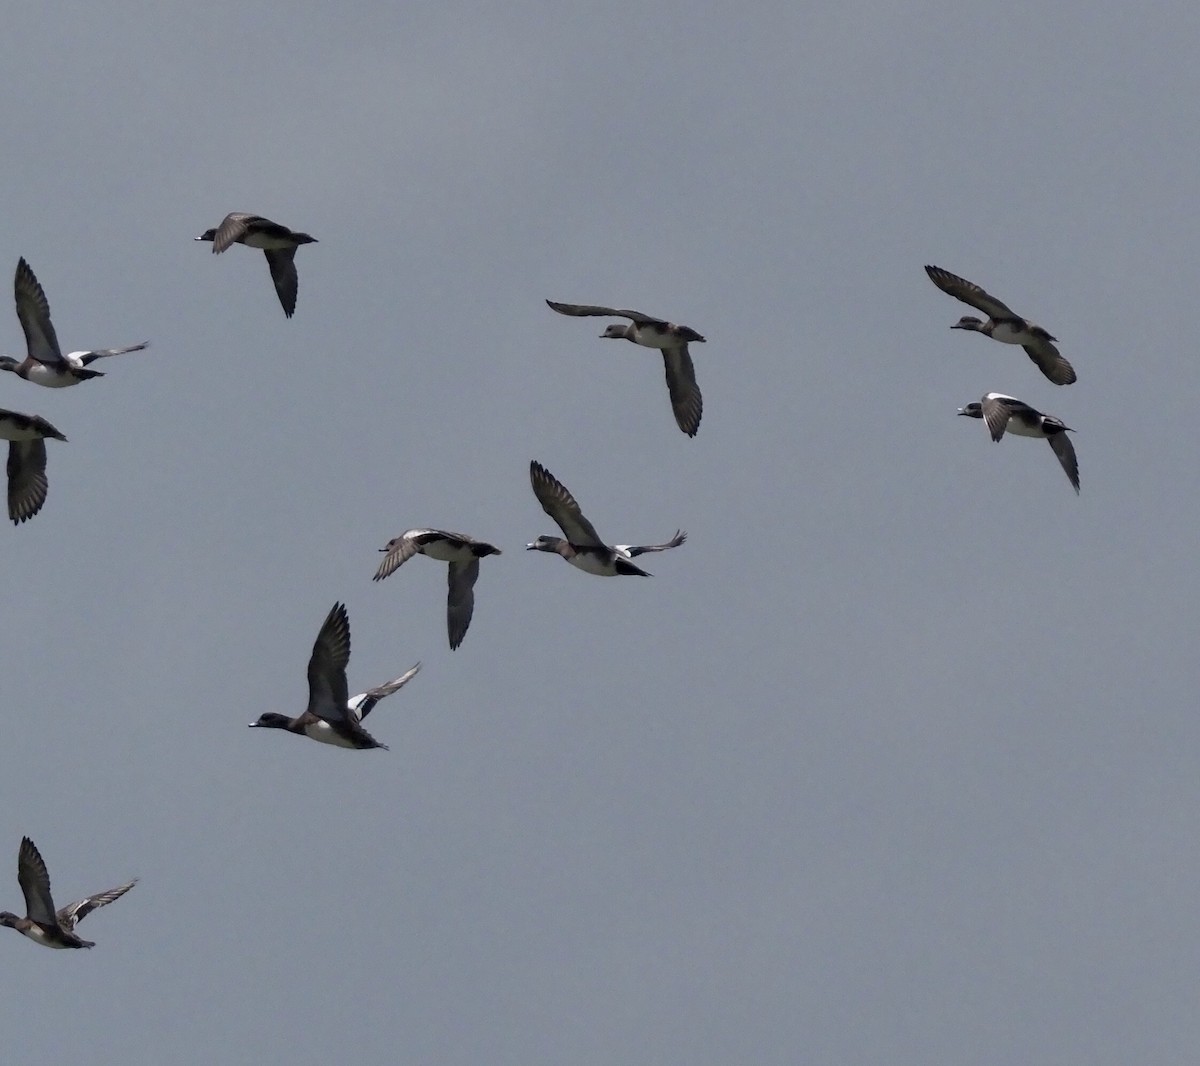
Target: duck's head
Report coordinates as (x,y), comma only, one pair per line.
(272,720)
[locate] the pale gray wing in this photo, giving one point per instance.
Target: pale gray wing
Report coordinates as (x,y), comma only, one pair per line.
(33,309)
(1050,362)
(632,550)
(1065,451)
(685,393)
(232,228)
(35,884)
(460,599)
(398,550)
(282,262)
(560,505)
(362,704)
(27,484)
(592,310)
(84,358)
(968,292)
(996,413)
(328,693)
(74,913)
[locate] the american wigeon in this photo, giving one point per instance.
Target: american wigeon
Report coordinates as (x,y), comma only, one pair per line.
(277,242)
(460,551)
(42,923)
(331,716)
(670,339)
(583,547)
(1003,325)
(1000,413)
(44,362)
(27,485)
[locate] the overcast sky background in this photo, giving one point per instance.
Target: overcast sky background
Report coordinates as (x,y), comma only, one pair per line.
(895,761)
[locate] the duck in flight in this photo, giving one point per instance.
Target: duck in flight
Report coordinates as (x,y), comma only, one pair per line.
(42,923)
(277,242)
(331,716)
(1003,325)
(670,339)
(27,485)
(460,551)
(44,362)
(1000,413)
(583,547)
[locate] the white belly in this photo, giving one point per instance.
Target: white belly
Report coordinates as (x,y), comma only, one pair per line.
(325,733)
(44,375)
(444,552)
(1018,427)
(649,337)
(39,937)
(1005,333)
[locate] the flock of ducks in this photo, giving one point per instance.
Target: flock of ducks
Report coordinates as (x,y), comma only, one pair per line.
(1000,412)
(44,364)
(332,715)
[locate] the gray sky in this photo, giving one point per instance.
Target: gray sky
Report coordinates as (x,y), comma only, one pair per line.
(893,762)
